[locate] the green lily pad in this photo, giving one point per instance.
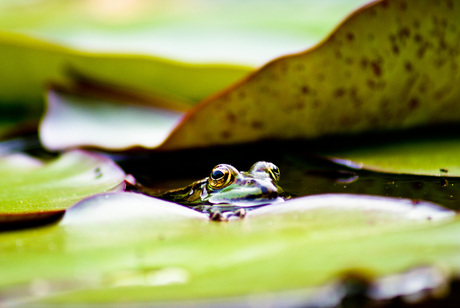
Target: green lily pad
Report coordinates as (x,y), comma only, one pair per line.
(433,157)
(29,64)
(129,248)
(73,121)
(210,32)
(31,189)
(386,67)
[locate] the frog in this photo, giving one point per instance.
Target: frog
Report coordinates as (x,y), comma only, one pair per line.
(227,192)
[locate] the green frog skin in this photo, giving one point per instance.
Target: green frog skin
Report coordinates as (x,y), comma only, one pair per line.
(228,187)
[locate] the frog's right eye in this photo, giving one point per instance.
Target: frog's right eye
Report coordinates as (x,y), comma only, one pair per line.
(221,176)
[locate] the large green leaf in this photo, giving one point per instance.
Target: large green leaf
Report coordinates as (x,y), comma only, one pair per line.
(126,248)
(31,188)
(422,156)
(250,31)
(73,121)
(29,65)
(386,67)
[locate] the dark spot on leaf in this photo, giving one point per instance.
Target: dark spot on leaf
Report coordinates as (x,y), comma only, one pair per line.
(408,66)
(345,121)
(416,24)
(364,62)
(370,83)
(404,33)
(226,97)
(438,95)
(305,89)
(413,103)
(418,38)
(225,134)
(443,170)
(242,95)
(264,89)
(376,69)
(350,36)
(395,50)
(403,6)
(421,51)
(300,67)
(257,124)
(339,92)
(231,117)
(98,173)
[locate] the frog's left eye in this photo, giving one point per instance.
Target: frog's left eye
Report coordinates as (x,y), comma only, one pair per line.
(221,176)
(274,171)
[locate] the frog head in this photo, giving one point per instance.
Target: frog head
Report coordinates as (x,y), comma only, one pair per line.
(259,185)
(226,186)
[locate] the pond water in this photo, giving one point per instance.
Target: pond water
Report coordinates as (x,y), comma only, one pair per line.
(302,173)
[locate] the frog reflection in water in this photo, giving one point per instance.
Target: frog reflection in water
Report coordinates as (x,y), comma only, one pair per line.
(227,191)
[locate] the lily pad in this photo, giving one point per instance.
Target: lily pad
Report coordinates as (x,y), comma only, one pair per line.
(153,250)
(420,156)
(389,66)
(209,32)
(74,121)
(29,64)
(31,189)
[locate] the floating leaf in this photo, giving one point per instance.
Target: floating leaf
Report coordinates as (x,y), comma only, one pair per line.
(28,65)
(391,65)
(32,190)
(434,157)
(128,248)
(209,32)
(72,121)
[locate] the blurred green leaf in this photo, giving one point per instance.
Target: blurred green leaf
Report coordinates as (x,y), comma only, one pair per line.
(128,248)
(30,186)
(29,65)
(434,157)
(74,121)
(249,32)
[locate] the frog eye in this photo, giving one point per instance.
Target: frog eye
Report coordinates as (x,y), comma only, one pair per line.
(274,171)
(221,176)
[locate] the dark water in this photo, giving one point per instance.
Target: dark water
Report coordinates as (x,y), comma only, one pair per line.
(302,173)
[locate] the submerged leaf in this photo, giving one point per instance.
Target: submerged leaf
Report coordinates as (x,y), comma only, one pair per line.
(31,189)
(128,248)
(391,65)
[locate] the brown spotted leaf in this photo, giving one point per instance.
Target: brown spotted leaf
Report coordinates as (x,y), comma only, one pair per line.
(390,65)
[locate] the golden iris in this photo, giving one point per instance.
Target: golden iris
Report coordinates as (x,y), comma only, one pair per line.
(220,177)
